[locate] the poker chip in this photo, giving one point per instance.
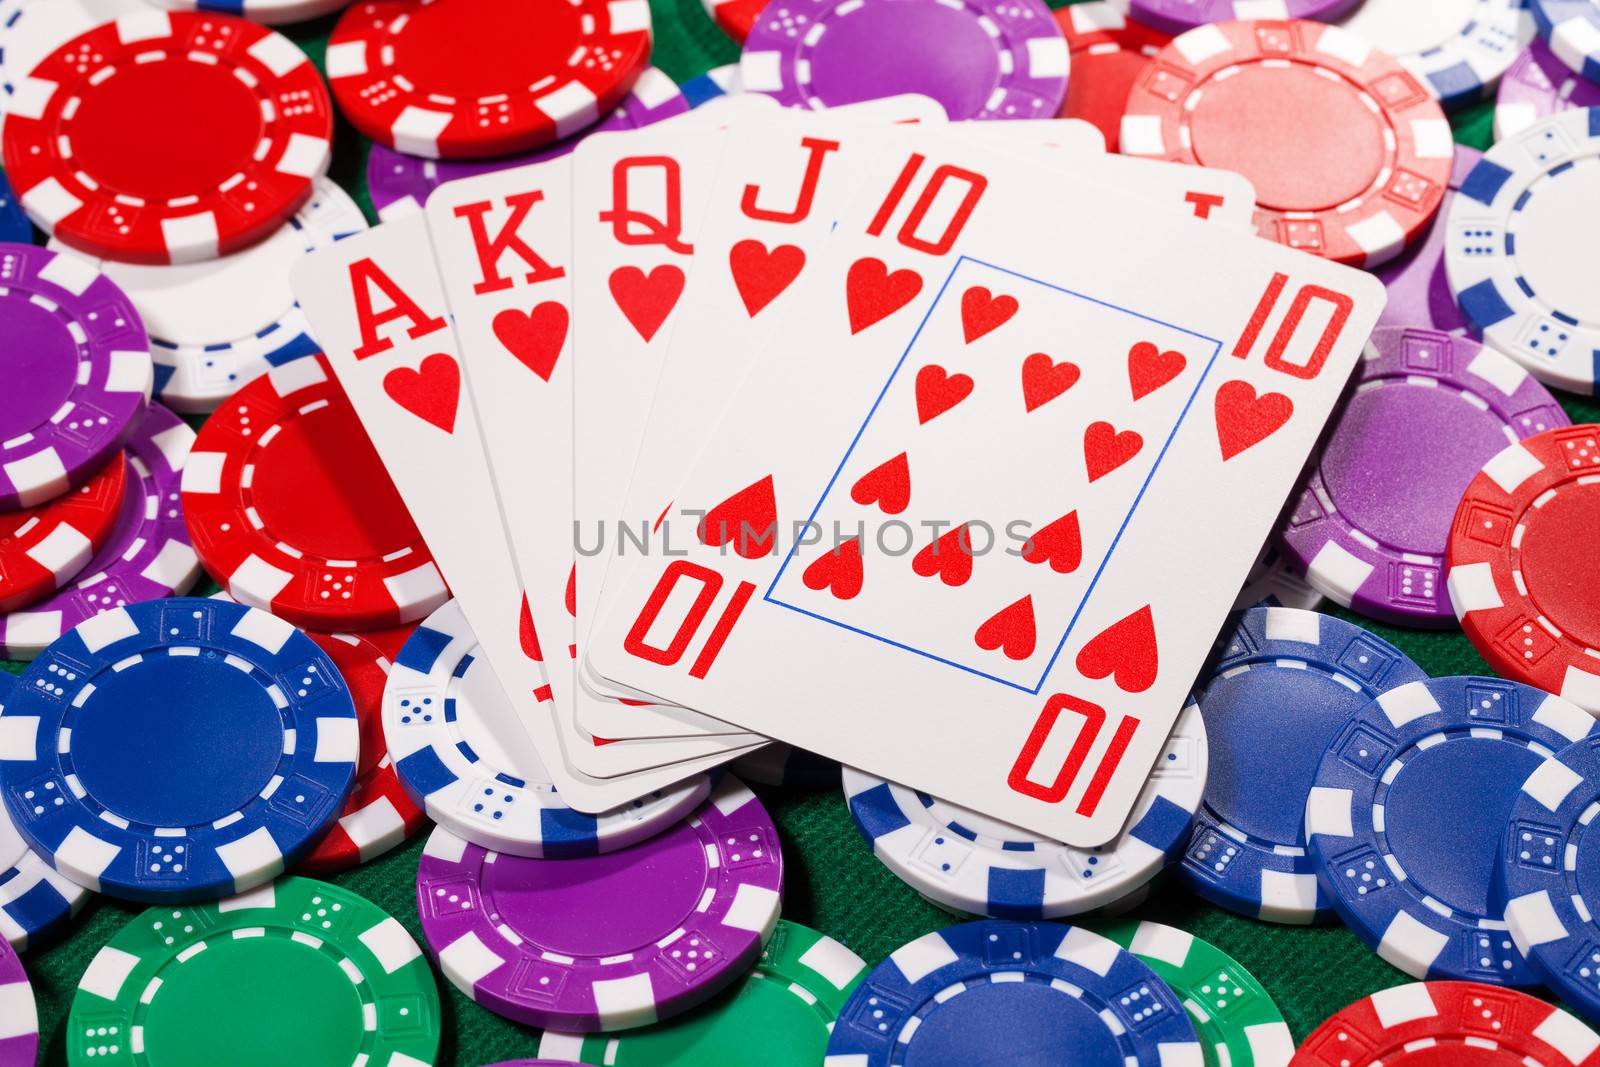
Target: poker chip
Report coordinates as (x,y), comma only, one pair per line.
(472,79)
(445,722)
(786,1005)
(1419,290)
(1537,86)
(125,787)
(268,12)
(14,225)
(19,1018)
(734,17)
(1518,249)
(719,81)
(954,995)
(217,325)
(1274,581)
(32,29)
(980,59)
(1520,574)
(297,971)
(94,170)
(378,814)
(400,184)
(1459,49)
(291,510)
(1542,874)
(144,555)
(77,371)
(613,941)
(45,547)
(778,764)
(972,863)
(1177,16)
(1280,686)
(1427,1023)
(1236,1020)
(1572,28)
(1352,171)
(35,901)
(1384,819)
(1110,52)
(1371,520)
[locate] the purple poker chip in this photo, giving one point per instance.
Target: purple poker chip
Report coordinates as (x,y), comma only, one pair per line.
(612,941)
(77,370)
(19,1024)
(148,555)
(980,59)
(1419,290)
(400,184)
(1537,86)
(1372,518)
(1178,16)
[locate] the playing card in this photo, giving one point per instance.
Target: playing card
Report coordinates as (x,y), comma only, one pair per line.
(974,520)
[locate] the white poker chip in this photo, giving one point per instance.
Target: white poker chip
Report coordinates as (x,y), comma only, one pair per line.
(1458,48)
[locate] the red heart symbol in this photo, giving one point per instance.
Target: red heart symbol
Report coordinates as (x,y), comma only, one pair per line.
(888,485)
(748,519)
(839,571)
(1043,379)
(1149,368)
(572,591)
(430,392)
(535,337)
(982,312)
(761,275)
(949,556)
(938,392)
(1059,543)
(1126,649)
(1244,419)
(1104,449)
(646,300)
(1010,630)
(872,294)
(527,635)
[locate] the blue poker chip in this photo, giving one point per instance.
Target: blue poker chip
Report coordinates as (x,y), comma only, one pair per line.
(1281,685)
(1405,819)
(991,992)
(178,750)
(1572,29)
(720,81)
(14,225)
(1546,874)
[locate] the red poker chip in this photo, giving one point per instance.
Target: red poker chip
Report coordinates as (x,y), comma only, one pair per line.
(734,17)
(1110,50)
(291,510)
(1450,1024)
(44,547)
(470,79)
(378,815)
(1524,576)
(168,137)
(1349,153)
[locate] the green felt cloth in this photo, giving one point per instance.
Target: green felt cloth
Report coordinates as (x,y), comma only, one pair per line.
(832,881)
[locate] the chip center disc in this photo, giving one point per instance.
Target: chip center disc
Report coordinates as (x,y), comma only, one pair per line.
(320,487)
(254,1002)
(1405,495)
(1452,1053)
(1437,806)
(1032,1022)
(163,130)
(480,48)
(1556,232)
(592,907)
(911,46)
(145,744)
(1560,563)
(1304,138)
(40,361)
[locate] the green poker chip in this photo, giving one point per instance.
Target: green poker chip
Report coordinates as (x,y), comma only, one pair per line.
(779,1016)
(1238,1024)
(296,972)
